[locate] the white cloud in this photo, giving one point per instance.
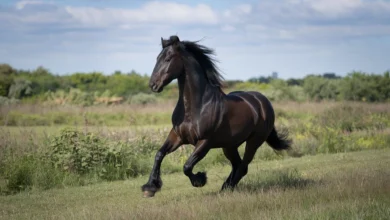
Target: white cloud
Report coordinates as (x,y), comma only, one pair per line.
(131,36)
(152,12)
(270,15)
(20,5)
(334,7)
(244,8)
(228,28)
(236,14)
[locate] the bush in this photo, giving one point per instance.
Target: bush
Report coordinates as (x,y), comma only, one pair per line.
(282,92)
(350,118)
(5,84)
(76,152)
(20,174)
(85,153)
(143,99)
(77,158)
(358,86)
(73,97)
(319,88)
(32,171)
(8,101)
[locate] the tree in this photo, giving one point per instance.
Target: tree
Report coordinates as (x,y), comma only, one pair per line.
(319,88)
(295,82)
(19,89)
(6,69)
(358,86)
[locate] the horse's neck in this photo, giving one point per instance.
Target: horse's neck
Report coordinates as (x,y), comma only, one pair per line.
(192,88)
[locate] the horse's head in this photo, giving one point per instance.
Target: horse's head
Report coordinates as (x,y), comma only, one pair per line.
(169,64)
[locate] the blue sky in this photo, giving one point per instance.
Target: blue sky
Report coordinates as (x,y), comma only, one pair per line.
(251,38)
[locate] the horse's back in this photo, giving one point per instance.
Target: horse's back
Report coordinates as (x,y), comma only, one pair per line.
(259,97)
(259,102)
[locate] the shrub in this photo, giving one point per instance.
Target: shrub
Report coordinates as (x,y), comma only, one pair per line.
(349,118)
(360,86)
(319,88)
(20,88)
(282,91)
(29,172)
(85,153)
(73,97)
(8,101)
(76,152)
(20,173)
(143,99)
(5,83)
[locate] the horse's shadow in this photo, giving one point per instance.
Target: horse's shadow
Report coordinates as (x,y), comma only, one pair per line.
(271,181)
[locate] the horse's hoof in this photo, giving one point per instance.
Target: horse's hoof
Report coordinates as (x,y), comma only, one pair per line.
(199,179)
(148,194)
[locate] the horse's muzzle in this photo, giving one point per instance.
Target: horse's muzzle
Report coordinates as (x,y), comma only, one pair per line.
(155,87)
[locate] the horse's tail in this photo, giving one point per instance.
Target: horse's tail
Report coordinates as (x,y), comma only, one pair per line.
(279,140)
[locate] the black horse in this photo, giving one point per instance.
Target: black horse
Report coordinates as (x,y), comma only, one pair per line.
(206,117)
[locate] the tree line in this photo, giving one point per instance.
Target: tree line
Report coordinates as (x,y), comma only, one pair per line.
(355,86)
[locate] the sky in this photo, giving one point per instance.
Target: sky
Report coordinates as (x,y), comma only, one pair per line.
(251,38)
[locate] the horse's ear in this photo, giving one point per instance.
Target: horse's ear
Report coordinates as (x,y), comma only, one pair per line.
(164,43)
(174,39)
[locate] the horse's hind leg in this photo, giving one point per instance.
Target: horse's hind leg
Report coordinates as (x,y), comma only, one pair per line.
(235,159)
(251,147)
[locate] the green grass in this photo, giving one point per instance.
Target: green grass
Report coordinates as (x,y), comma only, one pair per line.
(43,157)
(305,183)
(336,186)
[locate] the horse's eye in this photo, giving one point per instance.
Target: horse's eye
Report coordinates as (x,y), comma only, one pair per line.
(168,59)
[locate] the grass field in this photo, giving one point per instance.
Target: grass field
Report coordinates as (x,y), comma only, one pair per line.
(338,186)
(69,162)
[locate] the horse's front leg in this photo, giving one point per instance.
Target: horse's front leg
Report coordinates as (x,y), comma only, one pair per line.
(154,183)
(201,149)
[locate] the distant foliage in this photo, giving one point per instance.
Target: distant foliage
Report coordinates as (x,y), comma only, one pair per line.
(283,92)
(6,69)
(248,86)
(86,88)
(346,118)
(20,88)
(73,96)
(143,99)
(359,86)
(7,101)
(5,84)
(319,88)
(261,79)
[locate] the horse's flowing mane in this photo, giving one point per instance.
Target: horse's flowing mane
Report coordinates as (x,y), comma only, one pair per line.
(203,55)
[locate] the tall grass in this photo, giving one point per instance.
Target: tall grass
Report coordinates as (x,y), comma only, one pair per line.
(339,186)
(77,152)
